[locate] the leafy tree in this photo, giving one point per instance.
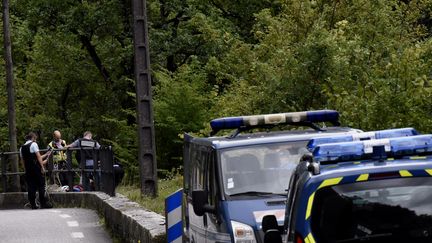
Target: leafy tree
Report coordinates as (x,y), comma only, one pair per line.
(74,66)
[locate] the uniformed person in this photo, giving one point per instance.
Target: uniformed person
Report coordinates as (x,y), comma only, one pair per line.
(34,170)
(59,157)
(87,142)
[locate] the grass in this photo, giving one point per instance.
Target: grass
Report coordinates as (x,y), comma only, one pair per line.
(166,187)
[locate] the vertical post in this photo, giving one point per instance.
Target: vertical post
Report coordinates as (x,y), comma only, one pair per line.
(96,169)
(147,148)
(50,167)
(107,171)
(109,176)
(173,216)
(11,95)
(70,173)
(103,170)
(82,165)
(3,171)
(111,179)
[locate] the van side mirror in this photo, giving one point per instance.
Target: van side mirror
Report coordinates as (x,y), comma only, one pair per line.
(200,203)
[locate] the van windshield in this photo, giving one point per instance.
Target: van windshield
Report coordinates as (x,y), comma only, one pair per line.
(392,210)
(264,169)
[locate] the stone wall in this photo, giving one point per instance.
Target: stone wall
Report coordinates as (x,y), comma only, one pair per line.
(126,219)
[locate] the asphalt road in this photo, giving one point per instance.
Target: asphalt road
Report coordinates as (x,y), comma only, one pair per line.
(51,225)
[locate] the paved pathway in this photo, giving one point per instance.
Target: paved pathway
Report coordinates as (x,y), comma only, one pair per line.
(51,225)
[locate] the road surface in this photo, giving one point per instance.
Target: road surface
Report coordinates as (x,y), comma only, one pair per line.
(51,225)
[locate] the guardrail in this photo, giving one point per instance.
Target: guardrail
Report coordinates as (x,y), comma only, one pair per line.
(103,166)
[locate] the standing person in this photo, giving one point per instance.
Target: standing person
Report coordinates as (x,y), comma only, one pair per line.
(59,157)
(87,142)
(34,170)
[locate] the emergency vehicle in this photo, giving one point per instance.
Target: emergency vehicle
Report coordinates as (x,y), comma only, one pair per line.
(360,191)
(231,182)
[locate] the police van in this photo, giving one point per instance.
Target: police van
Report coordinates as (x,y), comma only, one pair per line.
(231,182)
(361,191)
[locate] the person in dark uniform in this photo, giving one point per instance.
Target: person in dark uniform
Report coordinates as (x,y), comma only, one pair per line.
(34,170)
(87,142)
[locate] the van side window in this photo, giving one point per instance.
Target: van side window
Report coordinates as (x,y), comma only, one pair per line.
(198,169)
(187,165)
(191,168)
(211,178)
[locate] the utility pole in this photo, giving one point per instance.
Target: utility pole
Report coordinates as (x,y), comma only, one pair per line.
(11,95)
(146,132)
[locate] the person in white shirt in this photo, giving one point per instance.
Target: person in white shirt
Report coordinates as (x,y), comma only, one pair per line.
(34,170)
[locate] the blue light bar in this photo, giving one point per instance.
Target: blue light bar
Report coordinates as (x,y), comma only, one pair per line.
(390,133)
(364,149)
(273,119)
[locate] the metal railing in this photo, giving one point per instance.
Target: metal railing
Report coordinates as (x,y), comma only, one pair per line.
(103,168)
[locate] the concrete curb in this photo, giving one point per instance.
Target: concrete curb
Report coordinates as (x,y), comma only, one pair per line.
(126,219)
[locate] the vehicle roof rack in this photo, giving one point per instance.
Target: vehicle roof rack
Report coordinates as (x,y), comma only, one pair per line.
(304,118)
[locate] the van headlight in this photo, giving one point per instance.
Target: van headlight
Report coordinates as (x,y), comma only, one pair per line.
(243,233)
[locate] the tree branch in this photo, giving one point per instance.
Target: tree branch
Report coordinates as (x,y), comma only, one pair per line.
(95,57)
(224,12)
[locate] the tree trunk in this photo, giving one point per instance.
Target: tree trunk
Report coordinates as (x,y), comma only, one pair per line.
(11,95)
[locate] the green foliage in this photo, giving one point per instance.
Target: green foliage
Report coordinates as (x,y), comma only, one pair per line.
(181,106)
(74,66)
(166,187)
(368,59)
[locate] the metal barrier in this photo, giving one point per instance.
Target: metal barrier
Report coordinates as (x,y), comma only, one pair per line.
(103,168)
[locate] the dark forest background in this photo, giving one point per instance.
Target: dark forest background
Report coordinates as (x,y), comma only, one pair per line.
(370,60)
